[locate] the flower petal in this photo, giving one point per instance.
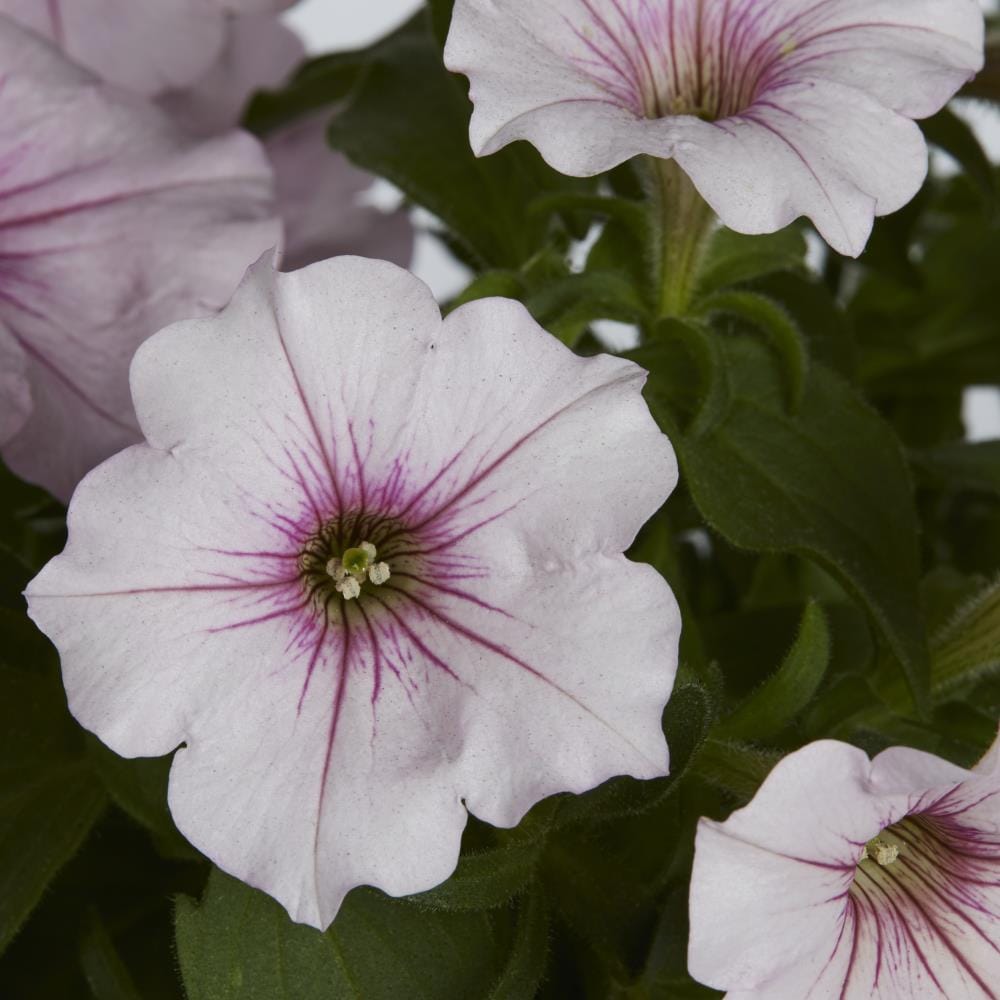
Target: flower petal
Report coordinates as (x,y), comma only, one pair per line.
(331,744)
(782,862)
(819,149)
(15,392)
(145,45)
(320,201)
(259,53)
(925,922)
(776,110)
(910,55)
(113,222)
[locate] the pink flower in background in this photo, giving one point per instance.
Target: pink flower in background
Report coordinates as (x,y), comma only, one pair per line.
(113,223)
(774,108)
(144,45)
(848,879)
(15,391)
(320,193)
(368,570)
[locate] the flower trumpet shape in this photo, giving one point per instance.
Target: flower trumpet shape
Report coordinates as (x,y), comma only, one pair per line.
(774,108)
(367,568)
(113,223)
(847,879)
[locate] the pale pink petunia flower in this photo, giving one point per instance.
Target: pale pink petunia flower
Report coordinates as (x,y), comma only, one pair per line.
(15,390)
(368,570)
(774,108)
(854,879)
(144,45)
(320,192)
(113,223)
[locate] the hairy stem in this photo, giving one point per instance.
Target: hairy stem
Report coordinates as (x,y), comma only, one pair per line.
(682,222)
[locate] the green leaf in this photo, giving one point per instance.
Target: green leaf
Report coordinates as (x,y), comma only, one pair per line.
(952,134)
(686,721)
(139,787)
(566,306)
(486,879)
(777,323)
(779,700)
(964,465)
(829,483)
(103,968)
(239,944)
(733,258)
(734,767)
(50,798)
(529,953)
(968,647)
(408,120)
(704,399)
(508,284)
(440,13)
(318,84)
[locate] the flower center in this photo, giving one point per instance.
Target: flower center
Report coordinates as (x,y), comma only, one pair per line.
(356,567)
(360,558)
(660,58)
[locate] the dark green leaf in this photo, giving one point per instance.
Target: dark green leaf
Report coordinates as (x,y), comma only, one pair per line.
(686,721)
(408,121)
(736,768)
(239,944)
(964,465)
(829,483)
(952,134)
(486,879)
(103,968)
(733,258)
(526,963)
(50,797)
(775,322)
(317,85)
(139,787)
(779,700)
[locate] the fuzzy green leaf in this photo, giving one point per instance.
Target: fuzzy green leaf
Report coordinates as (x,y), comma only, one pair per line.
(778,701)
(239,944)
(829,482)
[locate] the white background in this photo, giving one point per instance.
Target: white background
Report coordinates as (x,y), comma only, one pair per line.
(326,25)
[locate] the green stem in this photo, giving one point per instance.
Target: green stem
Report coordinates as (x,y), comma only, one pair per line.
(682,222)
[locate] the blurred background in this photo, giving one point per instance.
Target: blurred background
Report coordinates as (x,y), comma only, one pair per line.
(328,25)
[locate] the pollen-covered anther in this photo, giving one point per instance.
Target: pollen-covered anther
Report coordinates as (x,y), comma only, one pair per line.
(880,851)
(379,573)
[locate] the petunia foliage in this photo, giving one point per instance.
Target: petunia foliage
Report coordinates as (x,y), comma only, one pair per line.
(625,626)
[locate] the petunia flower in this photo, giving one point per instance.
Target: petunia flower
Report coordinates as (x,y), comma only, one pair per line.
(144,45)
(15,391)
(773,108)
(368,570)
(319,191)
(850,879)
(113,223)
